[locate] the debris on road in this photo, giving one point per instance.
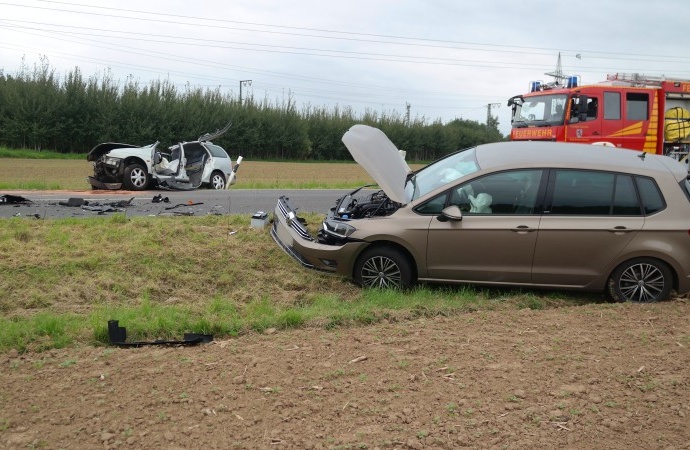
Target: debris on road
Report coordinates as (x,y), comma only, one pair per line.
(8,199)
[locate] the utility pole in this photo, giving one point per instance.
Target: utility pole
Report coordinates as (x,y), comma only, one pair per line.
(488,111)
(558,73)
(245,83)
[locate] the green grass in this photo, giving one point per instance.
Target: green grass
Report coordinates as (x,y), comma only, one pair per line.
(62,280)
(38,154)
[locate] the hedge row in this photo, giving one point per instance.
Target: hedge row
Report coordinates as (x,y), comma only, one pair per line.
(40,110)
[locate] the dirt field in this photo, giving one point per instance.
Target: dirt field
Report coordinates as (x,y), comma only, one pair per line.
(599,376)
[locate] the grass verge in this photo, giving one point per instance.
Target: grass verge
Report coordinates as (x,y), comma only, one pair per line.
(62,280)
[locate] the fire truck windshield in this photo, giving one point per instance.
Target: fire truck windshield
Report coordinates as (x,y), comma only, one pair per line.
(540,110)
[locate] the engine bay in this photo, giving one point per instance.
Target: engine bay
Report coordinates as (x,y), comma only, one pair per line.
(353,206)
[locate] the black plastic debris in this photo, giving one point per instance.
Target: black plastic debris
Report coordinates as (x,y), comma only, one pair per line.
(101,208)
(95,206)
(160,199)
(118,335)
(8,199)
(184,204)
(73,202)
(121,203)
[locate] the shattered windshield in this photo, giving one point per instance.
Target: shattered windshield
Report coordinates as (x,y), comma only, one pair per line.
(540,110)
(443,171)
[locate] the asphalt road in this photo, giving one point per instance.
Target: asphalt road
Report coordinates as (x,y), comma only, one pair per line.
(55,204)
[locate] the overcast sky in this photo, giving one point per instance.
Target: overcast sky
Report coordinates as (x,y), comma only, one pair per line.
(446,59)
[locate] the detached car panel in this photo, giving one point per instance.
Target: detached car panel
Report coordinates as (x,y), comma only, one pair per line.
(538,214)
(185,166)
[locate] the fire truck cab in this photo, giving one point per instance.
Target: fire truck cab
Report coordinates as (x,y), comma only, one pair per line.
(632,111)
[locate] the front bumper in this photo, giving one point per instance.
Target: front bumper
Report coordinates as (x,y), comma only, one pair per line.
(101,185)
(295,240)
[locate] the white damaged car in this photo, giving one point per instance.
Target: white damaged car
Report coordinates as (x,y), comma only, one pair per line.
(183,166)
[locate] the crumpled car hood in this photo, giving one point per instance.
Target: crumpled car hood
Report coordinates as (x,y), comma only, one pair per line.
(372,149)
(102,149)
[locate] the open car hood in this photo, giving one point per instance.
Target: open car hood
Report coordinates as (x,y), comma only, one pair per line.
(372,150)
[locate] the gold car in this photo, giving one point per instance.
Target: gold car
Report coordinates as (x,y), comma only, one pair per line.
(538,214)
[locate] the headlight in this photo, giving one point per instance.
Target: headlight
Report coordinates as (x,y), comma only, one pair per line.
(112,161)
(337,228)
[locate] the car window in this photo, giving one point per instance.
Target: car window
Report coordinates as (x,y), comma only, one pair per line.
(582,192)
(216,151)
(510,192)
(625,201)
(652,200)
(433,206)
(685,184)
(443,171)
(593,193)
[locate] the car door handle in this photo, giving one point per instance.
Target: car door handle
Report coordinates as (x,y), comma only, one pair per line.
(523,229)
(619,229)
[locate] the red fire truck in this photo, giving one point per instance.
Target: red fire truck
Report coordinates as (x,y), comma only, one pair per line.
(631,111)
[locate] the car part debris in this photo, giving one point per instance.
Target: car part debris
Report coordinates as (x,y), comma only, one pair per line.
(160,199)
(73,202)
(121,203)
(9,199)
(94,206)
(259,220)
(233,174)
(101,209)
(118,335)
(184,204)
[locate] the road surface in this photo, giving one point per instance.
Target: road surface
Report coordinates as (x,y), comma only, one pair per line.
(56,204)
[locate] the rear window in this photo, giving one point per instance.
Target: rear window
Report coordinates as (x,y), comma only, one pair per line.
(593,193)
(216,151)
(652,200)
(685,184)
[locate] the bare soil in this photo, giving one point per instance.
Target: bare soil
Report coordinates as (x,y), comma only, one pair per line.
(611,376)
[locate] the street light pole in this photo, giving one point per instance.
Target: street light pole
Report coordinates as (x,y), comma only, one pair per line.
(245,83)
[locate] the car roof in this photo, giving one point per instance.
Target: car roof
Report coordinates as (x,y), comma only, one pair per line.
(517,154)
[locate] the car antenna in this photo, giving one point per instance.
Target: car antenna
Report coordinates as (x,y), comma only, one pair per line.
(642,155)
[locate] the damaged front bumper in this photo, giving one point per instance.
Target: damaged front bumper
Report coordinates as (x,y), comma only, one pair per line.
(97,184)
(292,236)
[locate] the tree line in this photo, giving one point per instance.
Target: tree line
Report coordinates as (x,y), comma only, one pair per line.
(43,111)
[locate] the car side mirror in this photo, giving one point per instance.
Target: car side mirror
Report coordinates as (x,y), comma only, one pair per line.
(451,212)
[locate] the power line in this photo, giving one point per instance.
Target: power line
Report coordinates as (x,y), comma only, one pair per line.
(406,40)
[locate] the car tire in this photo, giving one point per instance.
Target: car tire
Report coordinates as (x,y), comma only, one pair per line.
(383,268)
(135,178)
(641,280)
(217,181)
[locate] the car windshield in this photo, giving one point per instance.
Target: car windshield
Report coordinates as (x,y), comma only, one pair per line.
(540,110)
(443,171)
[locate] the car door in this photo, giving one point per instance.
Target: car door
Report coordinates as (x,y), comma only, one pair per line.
(589,218)
(195,159)
(494,242)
